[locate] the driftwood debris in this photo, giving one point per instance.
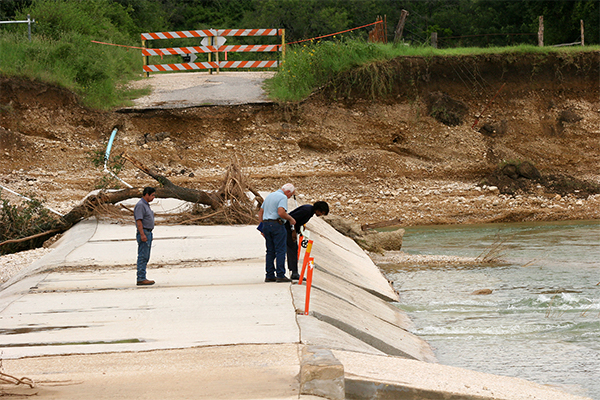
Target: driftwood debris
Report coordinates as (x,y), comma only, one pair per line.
(16,381)
(169,189)
(230,203)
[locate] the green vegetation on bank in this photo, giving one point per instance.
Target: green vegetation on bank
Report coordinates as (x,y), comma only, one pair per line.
(313,64)
(62,51)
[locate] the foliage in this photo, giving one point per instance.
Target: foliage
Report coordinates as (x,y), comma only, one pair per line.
(22,220)
(114,164)
(477,22)
(304,19)
(309,66)
(61,50)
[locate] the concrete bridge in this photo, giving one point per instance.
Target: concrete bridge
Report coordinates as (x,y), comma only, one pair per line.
(211,328)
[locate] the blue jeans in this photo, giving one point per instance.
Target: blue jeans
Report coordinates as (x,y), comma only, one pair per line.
(143,253)
(275,237)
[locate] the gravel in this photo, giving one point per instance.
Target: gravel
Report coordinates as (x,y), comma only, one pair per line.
(11,264)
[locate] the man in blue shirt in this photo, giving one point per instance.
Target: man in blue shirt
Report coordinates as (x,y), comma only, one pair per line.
(273,214)
(301,214)
(144,222)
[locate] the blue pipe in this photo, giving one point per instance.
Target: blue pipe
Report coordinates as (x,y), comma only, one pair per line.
(110,143)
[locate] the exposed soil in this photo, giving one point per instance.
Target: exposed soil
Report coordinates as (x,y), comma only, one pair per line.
(412,153)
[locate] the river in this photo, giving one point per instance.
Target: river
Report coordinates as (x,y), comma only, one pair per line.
(542,320)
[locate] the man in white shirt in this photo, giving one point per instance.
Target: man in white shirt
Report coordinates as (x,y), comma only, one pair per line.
(273,214)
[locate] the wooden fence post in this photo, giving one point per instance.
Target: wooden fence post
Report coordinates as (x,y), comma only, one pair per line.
(541,32)
(434,40)
(385,28)
(582,35)
(400,27)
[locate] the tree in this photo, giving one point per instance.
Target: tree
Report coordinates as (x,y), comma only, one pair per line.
(302,19)
(147,16)
(10,8)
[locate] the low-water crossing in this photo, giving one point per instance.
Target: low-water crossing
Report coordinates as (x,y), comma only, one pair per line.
(542,320)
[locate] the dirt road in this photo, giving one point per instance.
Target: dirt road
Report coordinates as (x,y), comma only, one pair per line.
(193,89)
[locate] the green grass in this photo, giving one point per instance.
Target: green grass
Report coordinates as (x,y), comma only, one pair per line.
(98,73)
(309,66)
(61,51)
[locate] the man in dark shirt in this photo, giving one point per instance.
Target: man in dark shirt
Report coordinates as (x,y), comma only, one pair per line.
(144,223)
(301,214)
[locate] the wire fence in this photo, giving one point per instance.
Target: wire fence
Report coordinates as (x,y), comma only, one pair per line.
(28,21)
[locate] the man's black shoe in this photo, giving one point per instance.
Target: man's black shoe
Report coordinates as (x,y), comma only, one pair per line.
(297,278)
(284,279)
(270,280)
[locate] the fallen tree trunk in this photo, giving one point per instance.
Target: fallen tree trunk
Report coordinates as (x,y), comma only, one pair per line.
(169,189)
(231,200)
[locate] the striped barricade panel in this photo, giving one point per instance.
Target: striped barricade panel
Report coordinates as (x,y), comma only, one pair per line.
(248,32)
(179,67)
(204,48)
(248,64)
(179,34)
(178,50)
(242,48)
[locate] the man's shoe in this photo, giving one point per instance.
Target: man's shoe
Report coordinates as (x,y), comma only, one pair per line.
(270,280)
(145,282)
(284,279)
(297,278)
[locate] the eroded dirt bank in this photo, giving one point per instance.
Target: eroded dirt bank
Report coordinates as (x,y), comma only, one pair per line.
(412,154)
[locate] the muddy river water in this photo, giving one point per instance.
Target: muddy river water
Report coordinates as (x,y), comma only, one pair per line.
(541,321)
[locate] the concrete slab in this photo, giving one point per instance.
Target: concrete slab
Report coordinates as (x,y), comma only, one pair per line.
(367,327)
(90,243)
(97,312)
(222,372)
(360,298)
(342,257)
(115,244)
(318,333)
(161,205)
(376,377)
(116,278)
(321,374)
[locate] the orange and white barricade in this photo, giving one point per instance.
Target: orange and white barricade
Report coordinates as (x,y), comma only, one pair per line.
(213,42)
(309,276)
(308,266)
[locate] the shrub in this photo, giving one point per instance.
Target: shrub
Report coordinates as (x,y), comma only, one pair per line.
(23,220)
(61,50)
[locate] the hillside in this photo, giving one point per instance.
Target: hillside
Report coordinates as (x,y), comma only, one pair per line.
(410,153)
